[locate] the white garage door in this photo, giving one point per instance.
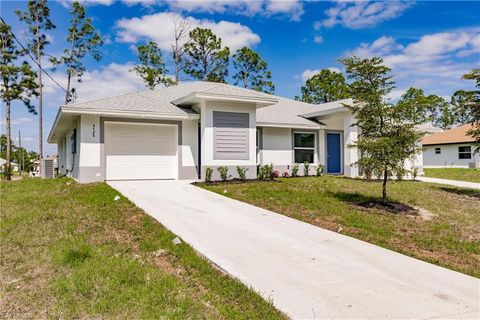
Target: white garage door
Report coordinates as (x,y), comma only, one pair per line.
(140,151)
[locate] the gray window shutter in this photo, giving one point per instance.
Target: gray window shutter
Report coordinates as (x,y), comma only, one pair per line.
(230,135)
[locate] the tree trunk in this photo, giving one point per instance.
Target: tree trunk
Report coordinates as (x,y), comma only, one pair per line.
(8,167)
(67,95)
(384,186)
(40,101)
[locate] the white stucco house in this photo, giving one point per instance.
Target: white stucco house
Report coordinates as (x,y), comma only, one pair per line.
(14,166)
(452,148)
(178,131)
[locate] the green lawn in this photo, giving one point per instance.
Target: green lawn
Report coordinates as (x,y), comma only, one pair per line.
(461,174)
(450,239)
(71,251)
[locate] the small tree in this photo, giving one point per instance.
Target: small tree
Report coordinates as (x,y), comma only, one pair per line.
(206,60)
(388,132)
(251,71)
(83,39)
(152,66)
(325,86)
(474,106)
(18,83)
(37,17)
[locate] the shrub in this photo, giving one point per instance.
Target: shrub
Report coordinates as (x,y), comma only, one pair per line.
(266,172)
(223,173)
(319,170)
(415,173)
(295,170)
(260,173)
(208,174)
(285,174)
(242,173)
(306,168)
(269,171)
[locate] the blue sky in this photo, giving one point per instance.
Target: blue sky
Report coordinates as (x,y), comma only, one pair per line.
(428,44)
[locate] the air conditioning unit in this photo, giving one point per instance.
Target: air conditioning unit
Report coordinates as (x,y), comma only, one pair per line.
(474,165)
(48,169)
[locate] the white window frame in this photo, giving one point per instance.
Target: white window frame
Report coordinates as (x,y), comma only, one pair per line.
(465,152)
(314,148)
(439,150)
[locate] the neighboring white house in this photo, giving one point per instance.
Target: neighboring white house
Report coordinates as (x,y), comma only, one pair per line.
(179,131)
(451,149)
(13,165)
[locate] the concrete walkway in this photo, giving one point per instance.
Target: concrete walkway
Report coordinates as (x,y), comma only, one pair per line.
(455,183)
(308,272)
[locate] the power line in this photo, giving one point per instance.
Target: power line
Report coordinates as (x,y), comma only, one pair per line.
(33,59)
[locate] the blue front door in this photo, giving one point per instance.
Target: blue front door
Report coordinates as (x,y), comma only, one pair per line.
(334,159)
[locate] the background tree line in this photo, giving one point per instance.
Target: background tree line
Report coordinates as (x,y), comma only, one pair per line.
(199,54)
(327,86)
(20,155)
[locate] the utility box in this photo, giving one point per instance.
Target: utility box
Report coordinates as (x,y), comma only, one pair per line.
(48,168)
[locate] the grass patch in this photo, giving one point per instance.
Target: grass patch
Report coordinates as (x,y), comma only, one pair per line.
(71,251)
(460,174)
(450,239)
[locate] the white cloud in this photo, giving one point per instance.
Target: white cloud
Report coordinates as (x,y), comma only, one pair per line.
(431,61)
(361,14)
(291,8)
(146,3)
(67,3)
(160,28)
(395,94)
(18,121)
(113,79)
(308,73)
(318,39)
(334,69)
(379,47)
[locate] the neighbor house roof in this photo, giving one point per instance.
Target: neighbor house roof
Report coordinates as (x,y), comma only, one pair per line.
(454,135)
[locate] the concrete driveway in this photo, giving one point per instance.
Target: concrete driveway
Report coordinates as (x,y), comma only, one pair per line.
(308,272)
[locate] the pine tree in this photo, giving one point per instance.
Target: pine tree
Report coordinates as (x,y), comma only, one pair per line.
(325,86)
(152,66)
(251,71)
(37,17)
(83,40)
(18,83)
(206,60)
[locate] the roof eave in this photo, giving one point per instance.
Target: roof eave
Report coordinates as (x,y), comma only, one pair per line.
(289,125)
(142,114)
(196,97)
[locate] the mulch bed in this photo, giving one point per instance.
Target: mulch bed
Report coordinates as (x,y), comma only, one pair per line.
(231,181)
(390,207)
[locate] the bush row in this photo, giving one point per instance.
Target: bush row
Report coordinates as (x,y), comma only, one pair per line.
(264,172)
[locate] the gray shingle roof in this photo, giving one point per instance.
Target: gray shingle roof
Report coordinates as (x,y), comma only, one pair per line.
(285,111)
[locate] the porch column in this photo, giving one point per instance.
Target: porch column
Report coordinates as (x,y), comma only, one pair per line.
(350,135)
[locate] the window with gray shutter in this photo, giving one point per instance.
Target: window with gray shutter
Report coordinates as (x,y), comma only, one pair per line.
(230,135)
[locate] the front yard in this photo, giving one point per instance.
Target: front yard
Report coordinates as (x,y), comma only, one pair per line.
(447,233)
(72,251)
(460,174)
